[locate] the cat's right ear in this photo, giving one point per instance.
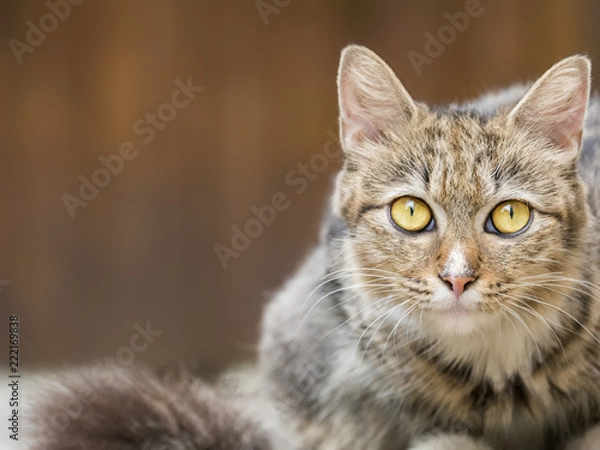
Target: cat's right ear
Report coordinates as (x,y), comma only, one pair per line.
(371,97)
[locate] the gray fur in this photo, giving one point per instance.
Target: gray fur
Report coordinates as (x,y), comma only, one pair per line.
(112,408)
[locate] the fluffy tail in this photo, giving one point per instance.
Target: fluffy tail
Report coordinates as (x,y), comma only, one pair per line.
(110,408)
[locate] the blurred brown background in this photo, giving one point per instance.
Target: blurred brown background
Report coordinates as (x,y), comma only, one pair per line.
(143,249)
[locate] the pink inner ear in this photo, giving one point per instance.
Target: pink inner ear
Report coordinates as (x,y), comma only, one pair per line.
(358,129)
(568,130)
(355,125)
(555,106)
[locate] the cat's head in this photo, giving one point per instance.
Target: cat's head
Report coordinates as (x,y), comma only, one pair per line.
(458,217)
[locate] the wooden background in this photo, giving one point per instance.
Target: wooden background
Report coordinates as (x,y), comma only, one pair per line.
(143,250)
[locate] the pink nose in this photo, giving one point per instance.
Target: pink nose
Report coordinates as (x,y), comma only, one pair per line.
(457,284)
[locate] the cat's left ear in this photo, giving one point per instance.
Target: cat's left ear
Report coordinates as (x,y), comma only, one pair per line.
(555,106)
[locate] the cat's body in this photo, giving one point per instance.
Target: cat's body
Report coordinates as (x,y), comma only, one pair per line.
(366,347)
(349,378)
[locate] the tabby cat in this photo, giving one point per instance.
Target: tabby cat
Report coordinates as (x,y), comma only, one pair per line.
(453,302)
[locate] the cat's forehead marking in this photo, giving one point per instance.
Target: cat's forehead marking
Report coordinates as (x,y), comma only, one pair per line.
(459,152)
(459,159)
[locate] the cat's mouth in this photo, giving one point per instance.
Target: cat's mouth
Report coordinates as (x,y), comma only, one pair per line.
(456,315)
(449,303)
(458,309)
(457,322)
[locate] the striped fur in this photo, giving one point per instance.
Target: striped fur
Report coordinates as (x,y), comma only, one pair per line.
(109,407)
(359,348)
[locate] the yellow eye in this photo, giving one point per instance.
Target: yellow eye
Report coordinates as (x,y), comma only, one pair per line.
(410,213)
(510,217)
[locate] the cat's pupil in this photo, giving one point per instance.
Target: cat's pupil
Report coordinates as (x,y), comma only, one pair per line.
(511,211)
